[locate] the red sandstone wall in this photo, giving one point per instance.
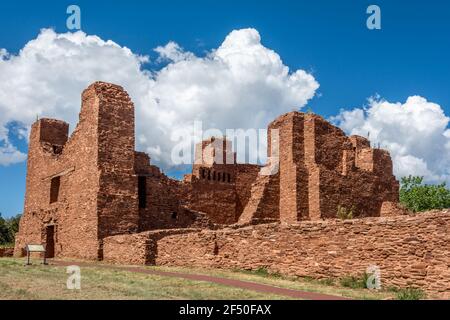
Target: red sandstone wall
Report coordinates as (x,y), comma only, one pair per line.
(164,200)
(128,248)
(74,215)
(218,186)
(246,175)
(293,201)
(321,169)
(263,205)
(117,194)
(138,248)
(410,250)
(163,204)
(99,171)
(210,191)
(165,208)
(216,199)
(97,155)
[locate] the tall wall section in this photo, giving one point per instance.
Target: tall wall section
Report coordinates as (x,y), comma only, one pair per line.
(117,194)
(52,157)
(347,171)
(81,188)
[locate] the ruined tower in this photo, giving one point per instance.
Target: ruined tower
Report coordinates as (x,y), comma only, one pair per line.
(82,189)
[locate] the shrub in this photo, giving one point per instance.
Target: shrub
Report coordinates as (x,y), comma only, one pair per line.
(327,281)
(418,197)
(261,271)
(410,294)
(344,214)
(355,282)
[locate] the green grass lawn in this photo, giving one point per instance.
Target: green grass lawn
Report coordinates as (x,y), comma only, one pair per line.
(49,282)
(328,286)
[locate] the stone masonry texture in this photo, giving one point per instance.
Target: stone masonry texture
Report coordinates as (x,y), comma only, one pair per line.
(91,195)
(410,251)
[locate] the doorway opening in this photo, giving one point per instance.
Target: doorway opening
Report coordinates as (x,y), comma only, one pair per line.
(54,189)
(50,242)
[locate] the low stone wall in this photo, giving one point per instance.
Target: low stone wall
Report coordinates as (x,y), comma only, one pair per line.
(137,248)
(6,252)
(411,251)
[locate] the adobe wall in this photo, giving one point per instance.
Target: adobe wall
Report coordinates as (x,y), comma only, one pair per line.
(117,205)
(410,250)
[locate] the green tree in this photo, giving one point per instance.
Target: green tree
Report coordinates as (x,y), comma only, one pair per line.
(8,229)
(4,231)
(13,226)
(418,197)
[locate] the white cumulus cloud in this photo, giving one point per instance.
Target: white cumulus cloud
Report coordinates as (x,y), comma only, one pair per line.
(8,153)
(415,132)
(241,84)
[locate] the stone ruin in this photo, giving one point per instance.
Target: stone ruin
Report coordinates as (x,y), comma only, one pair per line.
(92,196)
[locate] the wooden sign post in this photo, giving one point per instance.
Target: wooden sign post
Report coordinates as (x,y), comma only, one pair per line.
(35,248)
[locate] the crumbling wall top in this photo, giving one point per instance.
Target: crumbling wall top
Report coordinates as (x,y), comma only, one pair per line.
(52,131)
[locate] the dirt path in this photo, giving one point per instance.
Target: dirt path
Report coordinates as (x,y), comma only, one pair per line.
(297,294)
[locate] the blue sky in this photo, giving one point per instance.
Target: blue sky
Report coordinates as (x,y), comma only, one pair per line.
(329,39)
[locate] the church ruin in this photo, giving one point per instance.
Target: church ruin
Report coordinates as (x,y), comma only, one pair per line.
(93,184)
(92,196)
